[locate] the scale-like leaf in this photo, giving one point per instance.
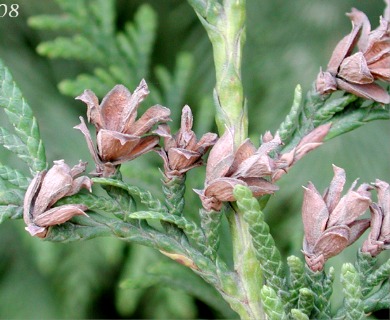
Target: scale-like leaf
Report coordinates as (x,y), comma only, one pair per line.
(354,116)
(320,284)
(174,190)
(54,22)
(297,279)
(299,315)
(331,107)
(211,222)
(10,212)
(365,265)
(272,303)
(263,242)
(346,114)
(354,307)
(189,227)
(145,196)
(289,125)
(137,41)
(306,301)
(174,86)
(92,202)
(379,300)
(27,143)
(14,144)
(11,196)
(78,47)
(14,177)
(379,275)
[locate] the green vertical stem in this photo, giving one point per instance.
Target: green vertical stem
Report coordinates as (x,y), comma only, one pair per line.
(227,58)
(246,266)
(225,26)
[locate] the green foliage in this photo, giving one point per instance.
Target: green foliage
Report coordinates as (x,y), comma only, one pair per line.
(379,300)
(353,296)
(263,243)
(192,231)
(297,278)
(210,223)
(321,285)
(116,56)
(365,265)
(174,190)
(381,274)
(146,271)
(144,196)
(14,177)
(299,315)
(290,124)
(120,57)
(25,143)
(272,303)
(108,53)
(346,114)
(305,301)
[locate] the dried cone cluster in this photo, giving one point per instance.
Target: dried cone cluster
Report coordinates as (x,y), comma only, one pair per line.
(330,221)
(182,152)
(356,72)
(46,189)
(120,137)
(379,236)
(228,166)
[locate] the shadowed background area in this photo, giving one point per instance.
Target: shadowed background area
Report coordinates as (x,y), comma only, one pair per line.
(286,43)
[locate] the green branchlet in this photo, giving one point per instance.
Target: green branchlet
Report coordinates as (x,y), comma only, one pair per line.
(26,143)
(320,284)
(379,275)
(210,224)
(174,190)
(256,259)
(14,177)
(357,114)
(306,301)
(290,123)
(296,279)
(264,245)
(10,211)
(365,266)
(246,264)
(273,305)
(191,230)
(298,315)
(346,113)
(379,300)
(144,196)
(354,307)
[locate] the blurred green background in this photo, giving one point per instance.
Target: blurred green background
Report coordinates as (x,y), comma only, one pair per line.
(287,42)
